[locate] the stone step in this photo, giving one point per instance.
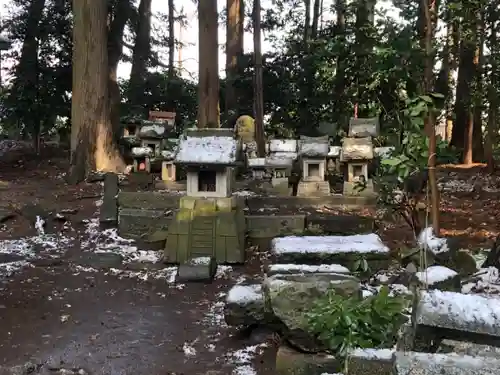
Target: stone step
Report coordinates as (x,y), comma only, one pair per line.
(244,305)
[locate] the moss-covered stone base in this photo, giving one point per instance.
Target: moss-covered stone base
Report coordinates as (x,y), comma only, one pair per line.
(212,227)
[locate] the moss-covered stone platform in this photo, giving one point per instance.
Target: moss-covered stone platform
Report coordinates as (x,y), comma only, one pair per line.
(213,227)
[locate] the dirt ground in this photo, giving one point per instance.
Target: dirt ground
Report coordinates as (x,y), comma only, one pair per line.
(58,314)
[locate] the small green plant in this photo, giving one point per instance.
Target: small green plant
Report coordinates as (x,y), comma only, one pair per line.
(344,323)
(361,265)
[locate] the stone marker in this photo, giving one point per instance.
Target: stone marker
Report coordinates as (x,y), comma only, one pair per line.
(200,269)
(457,316)
(412,363)
(438,277)
(109,208)
(292,362)
(244,305)
(370,361)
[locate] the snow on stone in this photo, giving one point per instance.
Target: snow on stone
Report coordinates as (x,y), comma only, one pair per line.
(256,162)
(244,294)
(373,354)
(435,274)
(305,268)
(167,154)
(10,268)
(200,261)
(358,243)
(280,161)
(189,350)
(486,281)
(223,271)
(314,148)
(427,239)
(209,150)
(40,225)
(334,151)
(383,152)
(142,151)
(459,311)
(283,145)
(158,129)
(244,193)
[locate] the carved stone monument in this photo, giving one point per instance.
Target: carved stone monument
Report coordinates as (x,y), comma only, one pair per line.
(313,153)
(210,222)
(282,155)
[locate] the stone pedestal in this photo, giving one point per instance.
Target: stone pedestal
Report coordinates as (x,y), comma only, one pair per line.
(313,188)
(207,227)
(168,171)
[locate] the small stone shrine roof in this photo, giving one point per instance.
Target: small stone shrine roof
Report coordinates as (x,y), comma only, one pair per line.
(283,145)
(209,146)
(152,129)
(363,127)
(314,147)
(356,149)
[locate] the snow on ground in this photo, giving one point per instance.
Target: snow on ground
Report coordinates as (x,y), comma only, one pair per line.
(243,358)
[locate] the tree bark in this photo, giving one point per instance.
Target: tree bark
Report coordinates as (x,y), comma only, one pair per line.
(315,20)
(121,15)
(94,148)
(307,22)
(140,54)
(258,86)
(171,40)
(477,132)
(208,86)
(429,10)
(234,50)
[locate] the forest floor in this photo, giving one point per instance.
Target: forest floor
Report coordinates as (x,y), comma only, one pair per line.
(68,311)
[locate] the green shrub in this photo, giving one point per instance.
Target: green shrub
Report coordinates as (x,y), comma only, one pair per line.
(343,323)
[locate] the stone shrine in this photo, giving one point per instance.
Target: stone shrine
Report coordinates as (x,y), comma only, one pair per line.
(358,152)
(168,170)
(313,153)
(210,222)
(282,155)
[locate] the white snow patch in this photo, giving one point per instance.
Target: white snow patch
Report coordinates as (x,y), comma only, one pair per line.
(189,350)
(305,268)
(373,354)
(10,268)
(435,274)
(257,162)
(223,271)
(40,226)
(314,148)
(142,151)
(283,145)
(455,310)
(359,243)
(209,149)
(243,359)
(334,151)
(158,129)
(486,281)
(383,152)
(244,193)
(215,314)
(244,294)
(168,274)
(427,239)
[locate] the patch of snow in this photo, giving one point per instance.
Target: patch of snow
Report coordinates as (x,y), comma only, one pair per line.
(200,261)
(244,370)
(158,129)
(256,162)
(455,310)
(243,358)
(244,294)
(223,271)
(305,268)
(167,154)
(189,350)
(485,281)
(450,360)
(244,193)
(334,151)
(358,243)
(374,354)
(314,148)
(383,152)
(207,150)
(285,160)
(435,274)
(215,314)
(427,239)
(142,151)
(283,145)
(40,225)
(167,274)
(10,268)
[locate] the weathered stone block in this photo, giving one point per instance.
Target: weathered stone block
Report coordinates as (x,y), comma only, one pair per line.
(343,250)
(438,277)
(411,363)
(313,188)
(457,316)
(370,361)
(342,224)
(136,223)
(271,226)
(292,362)
(244,305)
(292,269)
(109,208)
(148,200)
(290,297)
(199,269)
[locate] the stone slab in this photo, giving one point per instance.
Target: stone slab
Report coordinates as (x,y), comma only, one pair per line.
(148,200)
(370,361)
(199,269)
(296,203)
(342,224)
(139,224)
(244,305)
(109,208)
(313,189)
(291,269)
(412,363)
(266,226)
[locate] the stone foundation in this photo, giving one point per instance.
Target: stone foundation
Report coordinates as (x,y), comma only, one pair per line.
(313,188)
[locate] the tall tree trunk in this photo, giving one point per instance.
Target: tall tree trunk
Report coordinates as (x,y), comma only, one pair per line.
(115,51)
(315,20)
(140,55)
(25,86)
(340,76)
(477,133)
(171,40)
(258,86)
(208,86)
(234,41)
(429,12)
(94,148)
(307,21)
